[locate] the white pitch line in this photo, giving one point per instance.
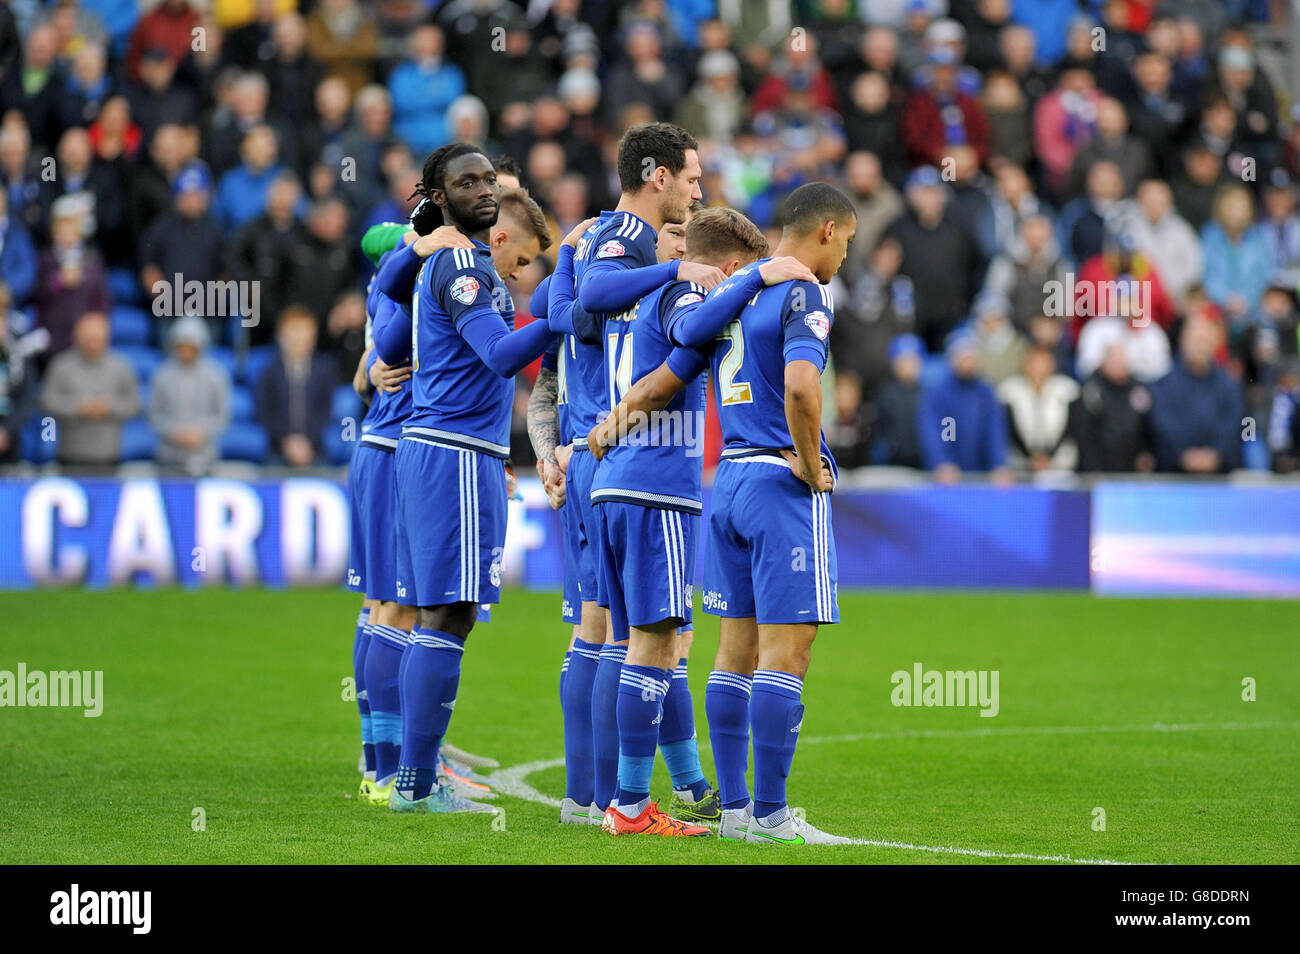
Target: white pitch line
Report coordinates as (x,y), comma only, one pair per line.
(1044,730)
(510,781)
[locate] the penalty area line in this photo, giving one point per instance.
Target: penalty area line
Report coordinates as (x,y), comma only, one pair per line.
(513,781)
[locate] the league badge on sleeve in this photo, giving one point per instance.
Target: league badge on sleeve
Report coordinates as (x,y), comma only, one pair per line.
(465,289)
(690,298)
(611,249)
(819,322)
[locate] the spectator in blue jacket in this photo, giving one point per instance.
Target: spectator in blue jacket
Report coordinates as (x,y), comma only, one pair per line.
(241,196)
(1238,260)
(960,424)
(1196,408)
(422,88)
(17,255)
(294,392)
(1049,20)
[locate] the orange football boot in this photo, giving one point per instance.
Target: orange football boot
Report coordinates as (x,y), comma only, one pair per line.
(650,822)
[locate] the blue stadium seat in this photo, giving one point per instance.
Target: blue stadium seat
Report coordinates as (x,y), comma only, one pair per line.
(124,287)
(130,325)
(143,358)
(338,450)
(245,440)
(255,362)
(33,449)
(225,358)
(139,442)
(242,405)
(346,404)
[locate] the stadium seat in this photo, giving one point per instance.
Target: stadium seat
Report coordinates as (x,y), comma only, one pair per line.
(33,449)
(139,442)
(338,450)
(346,404)
(124,287)
(225,358)
(130,325)
(245,440)
(143,358)
(242,405)
(255,362)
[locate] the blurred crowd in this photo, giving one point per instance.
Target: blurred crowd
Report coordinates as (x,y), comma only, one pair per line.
(1078,244)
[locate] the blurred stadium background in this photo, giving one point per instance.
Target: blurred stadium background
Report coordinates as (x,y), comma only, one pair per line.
(993,148)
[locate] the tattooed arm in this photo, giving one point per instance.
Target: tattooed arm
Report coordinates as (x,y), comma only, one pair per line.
(544,433)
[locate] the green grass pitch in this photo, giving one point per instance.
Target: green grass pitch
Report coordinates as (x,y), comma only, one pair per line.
(232,702)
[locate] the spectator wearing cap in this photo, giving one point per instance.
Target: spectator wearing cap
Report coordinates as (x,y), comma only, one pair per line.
(1196,414)
(1123,276)
(91,392)
(940,256)
(345,41)
(898,402)
(881,305)
(941,114)
(1021,274)
(1038,401)
(877,204)
(715,107)
(71,278)
(1002,348)
(1065,120)
(185,240)
(189,400)
(1110,420)
(169,26)
(18,260)
(962,427)
(422,87)
(1238,263)
(1165,238)
(294,392)
(241,194)
(1280,227)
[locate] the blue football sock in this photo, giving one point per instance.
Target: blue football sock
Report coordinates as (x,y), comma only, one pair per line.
(360,644)
(677,737)
(430,676)
(383,664)
(641,691)
(575,699)
(564,674)
(726,704)
(776,716)
(604,723)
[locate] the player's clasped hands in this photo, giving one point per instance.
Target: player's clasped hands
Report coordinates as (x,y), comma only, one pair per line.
(389,379)
(552,482)
(787,268)
(820,479)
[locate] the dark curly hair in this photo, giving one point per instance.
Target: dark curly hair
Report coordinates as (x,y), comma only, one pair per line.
(427,215)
